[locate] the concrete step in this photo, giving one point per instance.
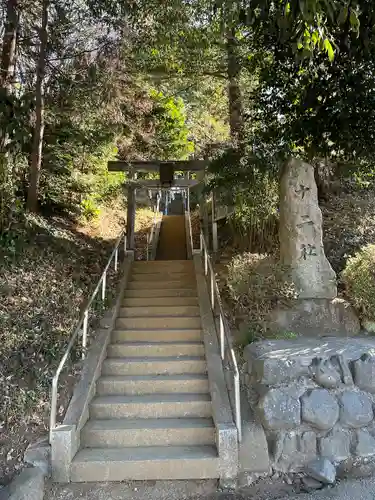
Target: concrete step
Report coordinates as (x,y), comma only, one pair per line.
(161,285)
(177,266)
(160,301)
(163,274)
(149,349)
(161,292)
(160,323)
(154,311)
(152,384)
(121,433)
(145,263)
(175,335)
(145,463)
(151,406)
(161,365)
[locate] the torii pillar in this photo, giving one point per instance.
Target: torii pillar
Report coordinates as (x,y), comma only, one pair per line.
(130,214)
(203,205)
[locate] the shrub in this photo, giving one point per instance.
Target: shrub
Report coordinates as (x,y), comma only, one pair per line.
(252,189)
(257,284)
(359,279)
(89,209)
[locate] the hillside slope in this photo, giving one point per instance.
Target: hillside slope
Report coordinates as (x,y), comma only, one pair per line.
(47,268)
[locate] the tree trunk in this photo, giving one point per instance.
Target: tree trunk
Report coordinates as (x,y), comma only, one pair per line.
(36,152)
(234,91)
(7,68)
(8,53)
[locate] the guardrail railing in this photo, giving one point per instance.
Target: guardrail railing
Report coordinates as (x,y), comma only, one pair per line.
(223,331)
(83,325)
(224,337)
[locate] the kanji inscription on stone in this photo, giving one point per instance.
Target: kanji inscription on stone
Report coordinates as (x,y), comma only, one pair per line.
(302,189)
(308,251)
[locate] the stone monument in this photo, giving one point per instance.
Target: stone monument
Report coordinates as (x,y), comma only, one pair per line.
(301,233)
(317,311)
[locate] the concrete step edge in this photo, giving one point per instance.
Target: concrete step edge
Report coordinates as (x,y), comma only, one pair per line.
(160,301)
(164,272)
(147,343)
(149,423)
(152,399)
(161,335)
(145,263)
(148,453)
(162,293)
(151,285)
(159,349)
(162,308)
(158,330)
(159,312)
(182,377)
(156,359)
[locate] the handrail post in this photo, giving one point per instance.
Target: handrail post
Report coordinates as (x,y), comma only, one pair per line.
(125,246)
(104,284)
(238,407)
(205,260)
(84,332)
(221,337)
(150,236)
(212,279)
(116,259)
(52,419)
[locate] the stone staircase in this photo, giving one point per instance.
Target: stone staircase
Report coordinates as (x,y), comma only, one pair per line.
(151,417)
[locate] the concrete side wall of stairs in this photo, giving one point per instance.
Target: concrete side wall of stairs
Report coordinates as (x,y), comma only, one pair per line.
(153,403)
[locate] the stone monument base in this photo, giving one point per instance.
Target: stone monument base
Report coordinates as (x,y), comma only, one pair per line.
(314,399)
(315,318)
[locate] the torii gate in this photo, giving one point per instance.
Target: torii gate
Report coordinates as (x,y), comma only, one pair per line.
(166,170)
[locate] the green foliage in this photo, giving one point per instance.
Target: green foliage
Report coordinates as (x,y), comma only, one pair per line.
(255,216)
(258,283)
(251,334)
(250,185)
(89,209)
(359,279)
(319,107)
(95,111)
(286,336)
(171,138)
(75,170)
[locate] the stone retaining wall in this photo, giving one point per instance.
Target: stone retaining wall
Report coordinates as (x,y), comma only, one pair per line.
(314,398)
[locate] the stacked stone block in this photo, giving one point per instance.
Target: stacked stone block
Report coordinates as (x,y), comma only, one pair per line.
(315,398)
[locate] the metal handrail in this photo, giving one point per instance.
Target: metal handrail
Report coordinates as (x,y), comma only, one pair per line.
(83,326)
(224,336)
(224,332)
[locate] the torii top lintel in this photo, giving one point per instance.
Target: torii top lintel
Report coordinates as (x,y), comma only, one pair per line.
(154,166)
